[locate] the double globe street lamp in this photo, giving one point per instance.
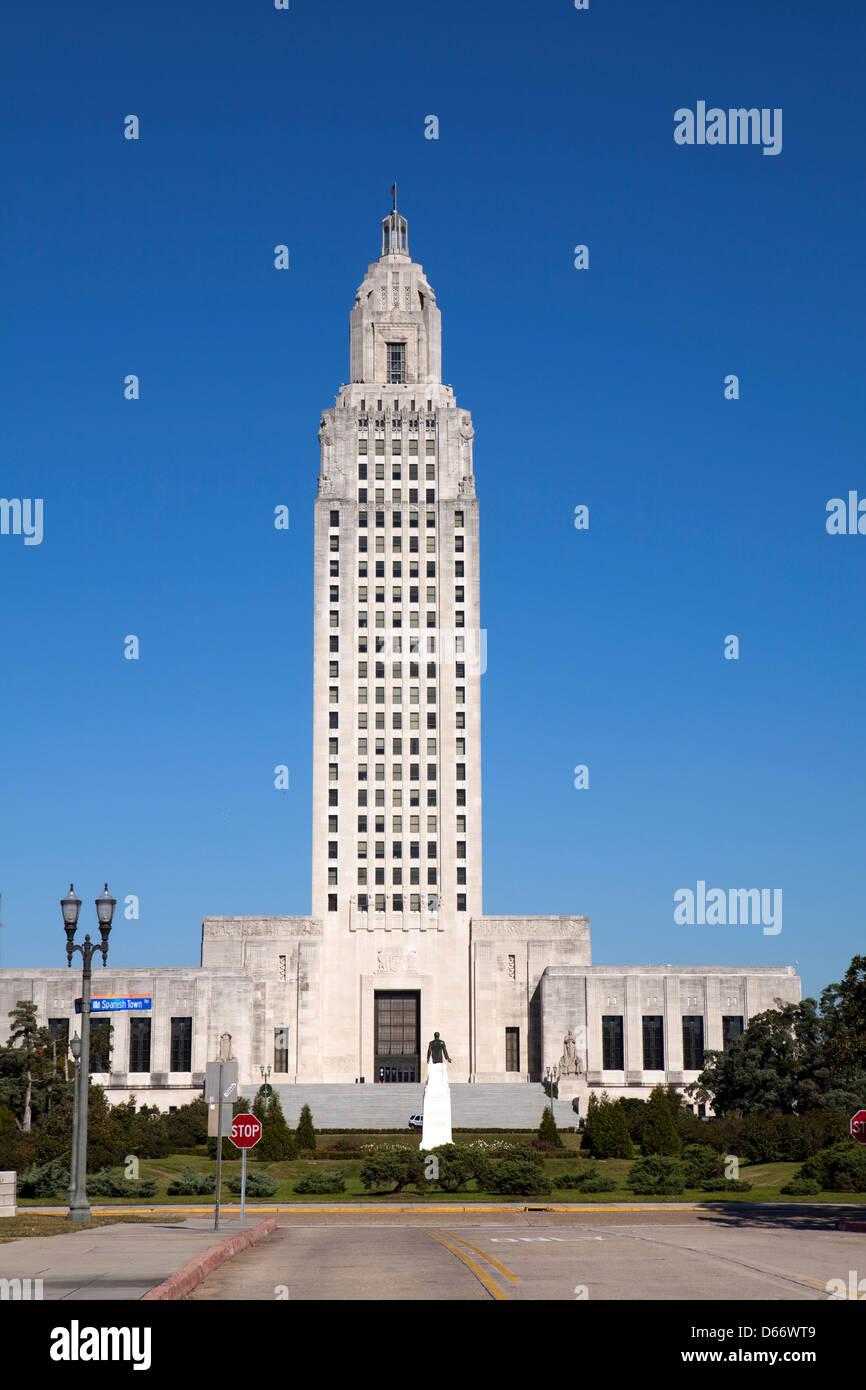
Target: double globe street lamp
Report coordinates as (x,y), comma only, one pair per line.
(79,1208)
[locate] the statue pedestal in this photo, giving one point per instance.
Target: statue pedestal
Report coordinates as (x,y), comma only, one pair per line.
(436,1108)
(571,1088)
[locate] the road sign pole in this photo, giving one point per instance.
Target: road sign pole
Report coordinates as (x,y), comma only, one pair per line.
(219,1167)
(243,1183)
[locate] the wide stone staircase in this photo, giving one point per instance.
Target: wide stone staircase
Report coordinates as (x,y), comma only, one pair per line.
(473,1106)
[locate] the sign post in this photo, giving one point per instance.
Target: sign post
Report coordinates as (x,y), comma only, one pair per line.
(245,1133)
(858,1126)
(220,1089)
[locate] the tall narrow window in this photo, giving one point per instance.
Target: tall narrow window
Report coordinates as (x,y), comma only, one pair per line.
(181,1044)
(732,1028)
(396,361)
(139,1044)
(512,1049)
(653,1042)
(100,1044)
(693,1042)
(611,1042)
(281,1049)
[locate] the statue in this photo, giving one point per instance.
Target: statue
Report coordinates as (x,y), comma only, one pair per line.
(436,1109)
(569,1062)
(225,1053)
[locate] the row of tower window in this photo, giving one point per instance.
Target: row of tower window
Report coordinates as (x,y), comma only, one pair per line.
(396,518)
(396,449)
(400,902)
(613,1055)
(397,544)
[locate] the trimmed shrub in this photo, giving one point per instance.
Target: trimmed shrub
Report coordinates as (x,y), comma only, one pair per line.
(547,1131)
(600,1184)
(802,1187)
(44,1180)
(702,1163)
(329,1181)
(725,1185)
(658,1175)
(277,1142)
(660,1134)
(259,1184)
(396,1169)
(456,1165)
(190,1183)
(841,1168)
(110,1182)
(305,1134)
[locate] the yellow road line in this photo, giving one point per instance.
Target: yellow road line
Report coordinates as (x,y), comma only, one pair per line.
(488,1283)
(484,1255)
(822,1284)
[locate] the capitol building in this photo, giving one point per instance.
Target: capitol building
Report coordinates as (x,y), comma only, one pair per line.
(397,944)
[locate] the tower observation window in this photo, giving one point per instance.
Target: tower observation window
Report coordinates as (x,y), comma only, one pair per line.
(396,362)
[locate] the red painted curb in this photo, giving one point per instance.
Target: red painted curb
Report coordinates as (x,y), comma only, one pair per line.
(191,1274)
(845,1225)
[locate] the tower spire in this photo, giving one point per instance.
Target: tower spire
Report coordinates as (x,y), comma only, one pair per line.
(395,231)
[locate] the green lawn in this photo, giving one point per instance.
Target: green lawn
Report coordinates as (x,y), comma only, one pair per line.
(766,1178)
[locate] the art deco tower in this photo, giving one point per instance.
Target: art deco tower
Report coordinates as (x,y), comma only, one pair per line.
(396,762)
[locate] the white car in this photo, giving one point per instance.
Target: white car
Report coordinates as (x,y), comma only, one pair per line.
(416,1121)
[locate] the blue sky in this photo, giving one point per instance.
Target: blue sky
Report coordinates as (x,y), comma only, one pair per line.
(602,387)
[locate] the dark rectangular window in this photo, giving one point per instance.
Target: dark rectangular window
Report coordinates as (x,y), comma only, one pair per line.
(139,1044)
(512,1049)
(281,1049)
(653,1043)
(181,1044)
(732,1028)
(58,1032)
(100,1044)
(693,1042)
(612,1055)
(396,361)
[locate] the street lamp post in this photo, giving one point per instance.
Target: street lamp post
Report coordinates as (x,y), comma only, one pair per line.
(79,1208)
(266,1077)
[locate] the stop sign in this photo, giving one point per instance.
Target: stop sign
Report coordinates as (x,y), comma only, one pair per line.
(246,1131)
(858,1126)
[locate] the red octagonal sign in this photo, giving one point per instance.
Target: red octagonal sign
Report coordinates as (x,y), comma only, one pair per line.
(858,1126)
(246,1131)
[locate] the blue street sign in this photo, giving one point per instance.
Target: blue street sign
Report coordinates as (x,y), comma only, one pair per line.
(115,1003)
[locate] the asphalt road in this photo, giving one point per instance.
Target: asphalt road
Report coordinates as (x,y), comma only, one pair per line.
(604,1255)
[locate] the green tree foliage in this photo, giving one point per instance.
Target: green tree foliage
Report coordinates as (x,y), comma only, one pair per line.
(190,1183)
(394,1169)
(31,1042)
(305,1134)
(841,1168)
(113,1182)
(657,1176)
(547,1130)
(606,1134)
(793,1059)
(519,1173)
(277,1141)
(259,1184)
(324,1181)
(702,1163)
(660,1135)
(44,1180)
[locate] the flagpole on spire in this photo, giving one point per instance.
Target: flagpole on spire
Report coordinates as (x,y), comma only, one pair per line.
(393,191)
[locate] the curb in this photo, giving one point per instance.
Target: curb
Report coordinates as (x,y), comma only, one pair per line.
(185,1279)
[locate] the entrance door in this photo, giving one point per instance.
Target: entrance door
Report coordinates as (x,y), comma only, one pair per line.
(397,1022)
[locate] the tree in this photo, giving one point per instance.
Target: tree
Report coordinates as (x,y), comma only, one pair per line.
(31,1041)
(277,1141)
(547,1131)
(843,1012)
(660,1131)
(787,1059)
(606,1134)
(305,1134)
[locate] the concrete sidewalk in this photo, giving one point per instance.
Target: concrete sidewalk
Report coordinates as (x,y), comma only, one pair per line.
(113,1262)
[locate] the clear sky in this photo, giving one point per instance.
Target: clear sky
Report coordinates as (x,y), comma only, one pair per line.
(602,387)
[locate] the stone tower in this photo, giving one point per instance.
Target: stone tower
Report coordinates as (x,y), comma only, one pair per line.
(398,659)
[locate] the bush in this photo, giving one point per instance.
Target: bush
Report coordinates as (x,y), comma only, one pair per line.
(399,1167)
(660,1134)
(110,1182)
(190,1183)
(599,1184)
(329,1181)
(606,1134)
(587,1179)
(658,1175)
(802,1187)
(456,1167)
(520,1172)
(305,1134)
(547,1131)
(724,1185)
(44,1180)
(841,1168)
(776,1138)
(259,1184)
(701,1163)
(277,1141)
